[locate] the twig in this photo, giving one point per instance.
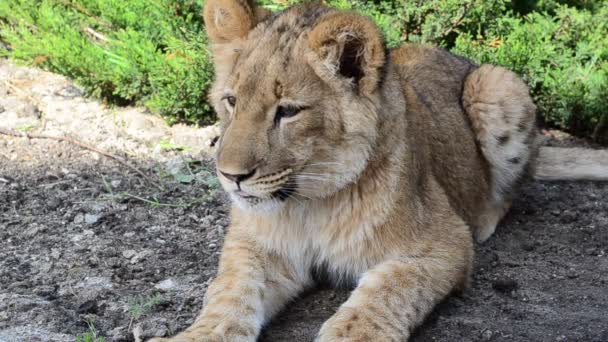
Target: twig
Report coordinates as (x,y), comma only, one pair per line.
(82,145)
(96,34)
(458,21)
(159,204)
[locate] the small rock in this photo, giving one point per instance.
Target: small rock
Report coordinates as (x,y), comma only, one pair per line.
(572,274)
(486,335)
(69,92)
(90,306)
(116,183)
(28,110)
(91,218)
(113,262)
(569,216)
(166,284)
(55,253)
(2,109)
(141,214)
(141,256)
(79,218)
(129,253)
(93,261)
(33,230)
(54,203)
(528,246)
(154,327)
(46,291)
(505,285)
(118,334)
(592,251)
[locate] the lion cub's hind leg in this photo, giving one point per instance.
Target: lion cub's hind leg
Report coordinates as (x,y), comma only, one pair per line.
(502,115)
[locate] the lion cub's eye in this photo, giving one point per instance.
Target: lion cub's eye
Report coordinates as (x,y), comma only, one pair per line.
(287,111)
(229,102)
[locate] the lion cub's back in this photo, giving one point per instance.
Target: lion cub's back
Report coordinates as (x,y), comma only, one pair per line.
(432,79)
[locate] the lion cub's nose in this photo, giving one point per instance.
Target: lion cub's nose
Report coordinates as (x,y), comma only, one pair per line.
(237,178)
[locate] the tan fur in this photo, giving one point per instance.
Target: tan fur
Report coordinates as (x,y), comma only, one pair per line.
(393,162)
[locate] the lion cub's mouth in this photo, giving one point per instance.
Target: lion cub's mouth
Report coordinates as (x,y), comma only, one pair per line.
(270,186)
(283,193)
(244,194)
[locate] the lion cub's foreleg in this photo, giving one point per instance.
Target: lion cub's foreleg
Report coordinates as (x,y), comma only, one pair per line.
(395,296)
(250,287)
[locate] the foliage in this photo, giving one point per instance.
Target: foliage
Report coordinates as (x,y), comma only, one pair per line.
(563,58)
(140,305)
(150,52)
(91,335)
(153,52)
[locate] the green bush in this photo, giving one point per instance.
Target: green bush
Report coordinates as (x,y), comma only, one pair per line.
(153,52)
(563,58)
(150,52)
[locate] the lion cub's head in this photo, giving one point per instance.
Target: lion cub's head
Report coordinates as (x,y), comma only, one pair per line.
(297,95)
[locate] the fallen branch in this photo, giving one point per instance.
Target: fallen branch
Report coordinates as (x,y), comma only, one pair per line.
(96,35)
(82,145)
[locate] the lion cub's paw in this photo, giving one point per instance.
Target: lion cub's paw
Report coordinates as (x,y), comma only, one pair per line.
(203,337)
(349,325)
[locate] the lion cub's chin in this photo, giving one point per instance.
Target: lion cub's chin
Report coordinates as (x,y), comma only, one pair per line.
(257,205)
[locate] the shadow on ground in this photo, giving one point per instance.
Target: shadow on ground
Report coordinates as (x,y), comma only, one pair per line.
(79,246)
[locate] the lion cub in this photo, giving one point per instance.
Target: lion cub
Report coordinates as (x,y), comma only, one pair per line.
(379,166)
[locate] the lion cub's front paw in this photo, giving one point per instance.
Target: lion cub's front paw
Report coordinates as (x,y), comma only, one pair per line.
(191,337)
(345,325)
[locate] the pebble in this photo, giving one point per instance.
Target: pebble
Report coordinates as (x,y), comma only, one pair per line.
(528,246)
(119,334)
(486,335)
(69,92)
(141,256)
(28,110)
(129,253)
(166,284)
(48,292)
(79,218)
(154,327)
(89,306)
(91,218)
(2,109)
(53,203)
(569,216)
(572,274)
(505,285)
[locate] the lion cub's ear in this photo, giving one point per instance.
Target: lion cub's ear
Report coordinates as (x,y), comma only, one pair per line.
(348,46)
(229,20)
(227,23)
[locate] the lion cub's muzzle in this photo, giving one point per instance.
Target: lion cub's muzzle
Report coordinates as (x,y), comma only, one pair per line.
(252,186)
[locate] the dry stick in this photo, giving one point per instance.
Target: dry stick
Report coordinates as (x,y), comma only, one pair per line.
(458,21)
(82,145)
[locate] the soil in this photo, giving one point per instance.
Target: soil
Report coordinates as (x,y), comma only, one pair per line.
(85,241)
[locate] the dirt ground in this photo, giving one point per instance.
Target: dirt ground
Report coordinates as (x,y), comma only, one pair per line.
(86,241)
